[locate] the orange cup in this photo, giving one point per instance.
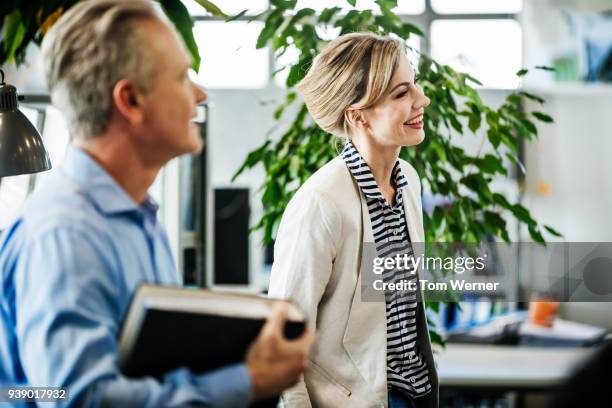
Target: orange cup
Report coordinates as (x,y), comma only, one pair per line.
(543,313)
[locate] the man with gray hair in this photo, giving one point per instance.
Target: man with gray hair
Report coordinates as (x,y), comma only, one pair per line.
(89,236)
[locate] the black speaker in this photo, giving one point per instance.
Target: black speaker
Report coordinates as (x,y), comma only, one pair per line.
(232,213)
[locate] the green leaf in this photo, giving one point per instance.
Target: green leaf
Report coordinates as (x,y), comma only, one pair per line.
(475,182)
(545,68)
(294,166)
(178,14)
(509,140)
(474,123)
(253,158)
(531,128)
(300,15)
(523,215)
(272,193)
(502,201)
(494,222)
(436,338)
(408,29)
(516,161)
(542,117)
(352,2)
(283,4)
(327,14)
(553,231)
(213,9)
(532,97)
(386,5)
(14,31)
(297,72)
(493,164)
(438,216)
(433,306)
(494,137)
(535,234)
(237,16)
(455,123)
(474,80)
(522,72)
(272,23)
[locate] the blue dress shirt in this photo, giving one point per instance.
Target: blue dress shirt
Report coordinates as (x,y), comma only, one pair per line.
(68,266)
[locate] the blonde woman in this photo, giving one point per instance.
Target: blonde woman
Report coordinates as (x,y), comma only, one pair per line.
(368,354)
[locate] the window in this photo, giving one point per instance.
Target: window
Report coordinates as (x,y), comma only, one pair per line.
(490,50)
(403,6)
(230,7)
(476,6)
(291,56)
(229,57)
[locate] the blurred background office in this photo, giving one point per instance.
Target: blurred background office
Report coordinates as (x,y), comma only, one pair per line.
(567,183)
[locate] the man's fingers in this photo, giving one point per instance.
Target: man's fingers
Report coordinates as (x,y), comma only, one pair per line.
(307,339)
(276,321)
(301,345)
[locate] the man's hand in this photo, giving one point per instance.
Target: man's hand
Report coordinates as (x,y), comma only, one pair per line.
(274,362)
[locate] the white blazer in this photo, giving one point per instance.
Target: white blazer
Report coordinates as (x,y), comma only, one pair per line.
(317,260)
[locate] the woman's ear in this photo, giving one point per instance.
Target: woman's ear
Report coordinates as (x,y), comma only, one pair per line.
(355,118)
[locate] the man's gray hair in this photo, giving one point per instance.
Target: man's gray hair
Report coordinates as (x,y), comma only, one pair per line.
(87,51)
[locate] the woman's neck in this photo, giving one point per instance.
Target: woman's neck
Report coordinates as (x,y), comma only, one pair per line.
(381,160)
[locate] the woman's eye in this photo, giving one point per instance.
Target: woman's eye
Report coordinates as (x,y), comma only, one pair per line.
(400,95)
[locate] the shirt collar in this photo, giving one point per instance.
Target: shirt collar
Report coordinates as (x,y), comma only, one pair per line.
(365,179)
(100,187)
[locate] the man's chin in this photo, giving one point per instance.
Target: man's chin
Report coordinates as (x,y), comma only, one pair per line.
(196,146)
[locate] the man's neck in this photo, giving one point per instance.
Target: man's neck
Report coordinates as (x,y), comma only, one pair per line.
(123,163)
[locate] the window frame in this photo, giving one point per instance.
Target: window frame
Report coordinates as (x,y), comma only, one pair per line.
(423,20)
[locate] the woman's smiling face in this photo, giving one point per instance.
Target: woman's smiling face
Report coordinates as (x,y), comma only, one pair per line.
(397,118)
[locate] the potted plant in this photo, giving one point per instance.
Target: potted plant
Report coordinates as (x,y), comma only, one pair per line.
(456,111)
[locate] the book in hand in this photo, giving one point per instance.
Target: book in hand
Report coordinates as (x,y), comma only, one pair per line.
(167,328)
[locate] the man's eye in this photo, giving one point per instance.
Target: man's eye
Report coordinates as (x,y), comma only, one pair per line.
(416,78)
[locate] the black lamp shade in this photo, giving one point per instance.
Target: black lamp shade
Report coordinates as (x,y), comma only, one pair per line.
(21,148)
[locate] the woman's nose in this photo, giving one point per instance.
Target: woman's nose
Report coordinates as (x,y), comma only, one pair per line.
(422,100)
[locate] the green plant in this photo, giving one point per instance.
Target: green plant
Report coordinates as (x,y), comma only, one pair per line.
(303,148)
(25,22)
(444,166)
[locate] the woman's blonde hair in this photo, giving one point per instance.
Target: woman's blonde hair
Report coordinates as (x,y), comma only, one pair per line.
(352,71)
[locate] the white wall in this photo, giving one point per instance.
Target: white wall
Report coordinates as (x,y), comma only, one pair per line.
(569,167)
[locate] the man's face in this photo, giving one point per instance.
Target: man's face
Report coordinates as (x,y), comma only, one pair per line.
(170,106)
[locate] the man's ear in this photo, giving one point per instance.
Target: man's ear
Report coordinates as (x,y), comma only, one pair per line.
(128,101)
(355,118)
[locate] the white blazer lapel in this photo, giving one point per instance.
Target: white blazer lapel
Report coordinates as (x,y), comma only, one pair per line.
(366,325)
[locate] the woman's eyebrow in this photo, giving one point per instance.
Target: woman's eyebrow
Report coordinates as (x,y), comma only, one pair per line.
(398,85)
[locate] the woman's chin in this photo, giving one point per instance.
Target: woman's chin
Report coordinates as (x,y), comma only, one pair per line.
(414,138)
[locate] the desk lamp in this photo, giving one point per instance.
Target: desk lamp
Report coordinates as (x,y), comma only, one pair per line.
(21,148)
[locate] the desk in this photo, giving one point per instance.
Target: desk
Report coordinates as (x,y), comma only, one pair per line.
(507,368)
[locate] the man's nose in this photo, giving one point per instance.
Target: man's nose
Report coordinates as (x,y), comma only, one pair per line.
(200,93)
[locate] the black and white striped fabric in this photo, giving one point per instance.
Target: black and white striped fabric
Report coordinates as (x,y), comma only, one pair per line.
(407,371)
